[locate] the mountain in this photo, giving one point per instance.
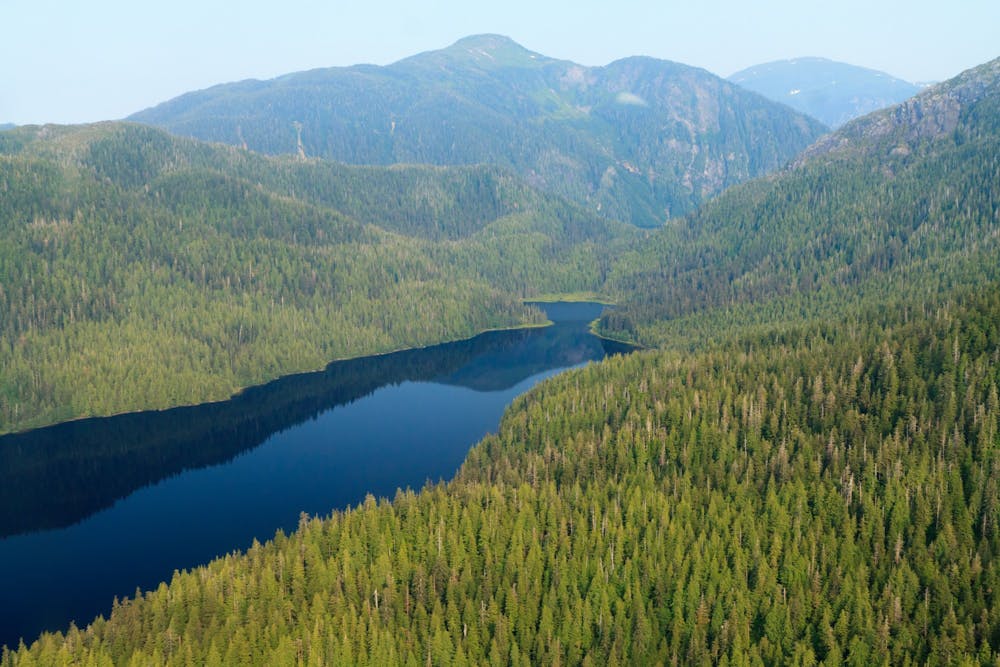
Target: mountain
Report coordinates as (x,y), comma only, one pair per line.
(7,126)
(830,91)
(898,204)
(640,140)
(813,479)
(958,111)
(140,270)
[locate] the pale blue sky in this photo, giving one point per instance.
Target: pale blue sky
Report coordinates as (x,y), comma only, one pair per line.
(68,61)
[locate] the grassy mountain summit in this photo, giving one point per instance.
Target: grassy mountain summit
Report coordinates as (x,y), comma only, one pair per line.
(830,91)
(639,140)
(140,270)
(486,52)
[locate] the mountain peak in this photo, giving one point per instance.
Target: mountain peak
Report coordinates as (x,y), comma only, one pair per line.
(486,41)
(640,140)
(487,51)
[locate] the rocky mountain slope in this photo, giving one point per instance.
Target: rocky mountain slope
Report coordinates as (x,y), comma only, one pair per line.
(901,203)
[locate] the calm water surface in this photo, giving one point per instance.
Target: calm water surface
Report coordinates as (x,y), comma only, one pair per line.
(96,508)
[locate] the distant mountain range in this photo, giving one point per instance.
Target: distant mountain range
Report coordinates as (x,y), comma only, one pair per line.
(7,126)
(964,109)
(640,140)
(832,92)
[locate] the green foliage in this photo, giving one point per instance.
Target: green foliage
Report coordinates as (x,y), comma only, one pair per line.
(819,494)
(140,271)
(813,479)
(882,211)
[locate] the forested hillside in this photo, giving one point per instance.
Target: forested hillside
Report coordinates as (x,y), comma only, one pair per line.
(138,270)
(902,205)
(816,494)
(811,478)
(640,140)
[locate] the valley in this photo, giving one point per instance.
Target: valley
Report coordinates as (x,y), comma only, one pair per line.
(799,467)
(141,271)
(191,484)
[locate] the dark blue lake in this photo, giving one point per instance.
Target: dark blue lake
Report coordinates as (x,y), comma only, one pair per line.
(97,508)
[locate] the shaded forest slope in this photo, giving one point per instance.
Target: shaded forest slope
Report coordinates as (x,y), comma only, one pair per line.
(902,205)
(139,270)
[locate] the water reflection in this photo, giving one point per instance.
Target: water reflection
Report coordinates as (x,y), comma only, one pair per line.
(94,508)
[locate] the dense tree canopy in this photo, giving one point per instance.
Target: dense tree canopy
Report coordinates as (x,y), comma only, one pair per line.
(812,478)
(142,271)
(818,494)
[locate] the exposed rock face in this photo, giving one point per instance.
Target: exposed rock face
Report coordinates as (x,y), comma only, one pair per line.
(934,113)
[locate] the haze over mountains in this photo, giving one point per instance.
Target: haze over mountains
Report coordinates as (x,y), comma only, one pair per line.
(803,467)
(640,140)
(211,216)
(830,91)
(963,109)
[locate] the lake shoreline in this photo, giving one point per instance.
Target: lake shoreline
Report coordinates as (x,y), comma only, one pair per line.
(211,482)
(572,297)
(587,297)
(240,390)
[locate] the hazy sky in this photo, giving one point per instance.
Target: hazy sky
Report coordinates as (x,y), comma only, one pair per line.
(70,61)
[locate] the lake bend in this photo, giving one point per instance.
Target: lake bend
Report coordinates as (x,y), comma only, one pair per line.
(97,508)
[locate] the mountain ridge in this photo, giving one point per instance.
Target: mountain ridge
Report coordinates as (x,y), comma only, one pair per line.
(806,472)
(832,92)
(903,195)
(640,140)
(931,114)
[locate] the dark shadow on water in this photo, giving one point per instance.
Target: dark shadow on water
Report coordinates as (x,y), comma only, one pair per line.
(59,475)
(56,476)
(59,482)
